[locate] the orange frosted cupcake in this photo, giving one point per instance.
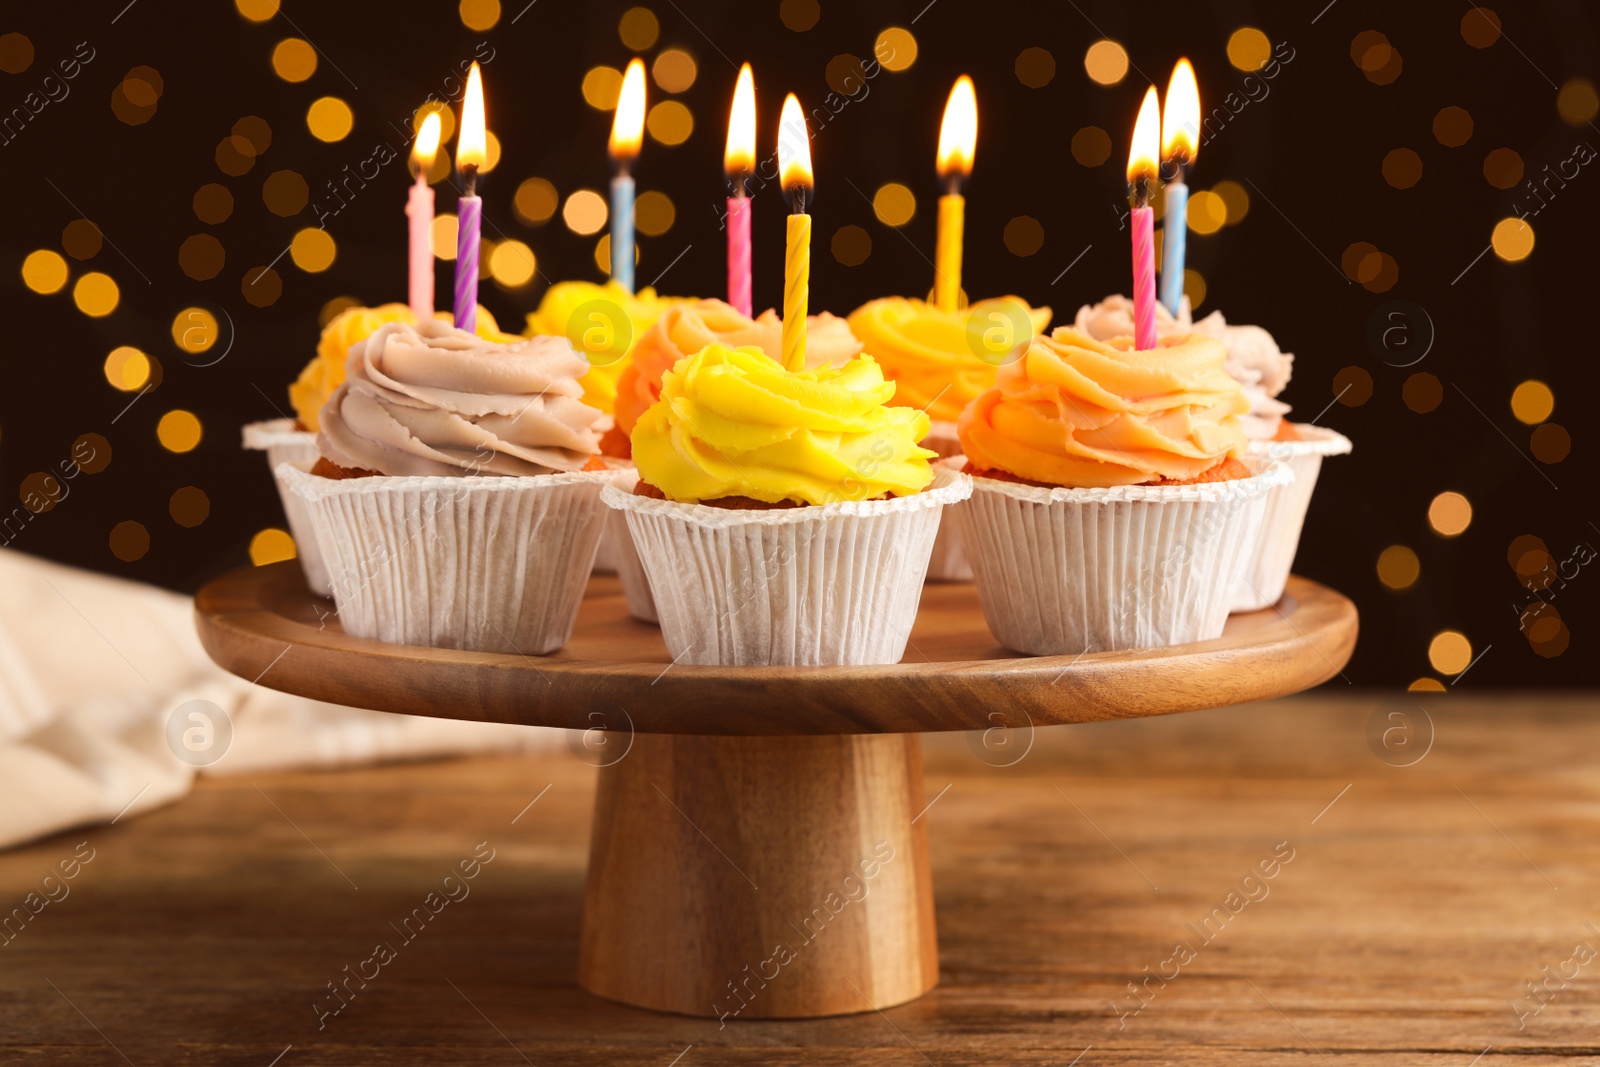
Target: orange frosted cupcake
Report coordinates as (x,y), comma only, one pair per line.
(1113,502)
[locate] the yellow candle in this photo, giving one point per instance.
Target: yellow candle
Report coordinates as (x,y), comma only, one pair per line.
(958,139)
(794,166)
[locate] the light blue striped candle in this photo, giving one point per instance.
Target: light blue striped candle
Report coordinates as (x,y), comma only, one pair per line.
(1174,231)
(622,231)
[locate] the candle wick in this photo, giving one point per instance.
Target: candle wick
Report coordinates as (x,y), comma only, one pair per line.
(799,207)
(469,179)
(953,184)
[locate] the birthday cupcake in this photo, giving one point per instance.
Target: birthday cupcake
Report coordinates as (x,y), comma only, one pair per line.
(455,501)
(1262,370)
(783,517)
(1114,505)
(940,361)
(683,329)
(604,323)
(294,441)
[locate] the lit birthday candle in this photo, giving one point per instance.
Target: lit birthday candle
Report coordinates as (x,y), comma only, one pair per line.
(471,153)
(958,138)
(1180,125)
(1142,167)
(794,171)
(627,131)
(739,160)
(419,210)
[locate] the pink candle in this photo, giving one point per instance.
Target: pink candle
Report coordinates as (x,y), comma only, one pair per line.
(471,155)
(739,254)
(419,209)
(1144,277)
(1142,169)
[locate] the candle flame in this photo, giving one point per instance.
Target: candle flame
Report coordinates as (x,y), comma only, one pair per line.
(472,148)
(794,147)
(740,157)
(958,133)
(427,143)
(1146,139)
(1180,117)
(627,123)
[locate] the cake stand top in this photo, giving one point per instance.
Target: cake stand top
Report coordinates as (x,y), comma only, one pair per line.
(261,623)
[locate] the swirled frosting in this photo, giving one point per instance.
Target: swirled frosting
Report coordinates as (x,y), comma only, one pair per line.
(573,309)
(734,422)
(941,360)
(432,399)
(684,329)
(1079,413)
(1254,360)
(325,372)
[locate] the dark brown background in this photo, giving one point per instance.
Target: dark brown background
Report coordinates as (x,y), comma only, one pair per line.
(1310,153)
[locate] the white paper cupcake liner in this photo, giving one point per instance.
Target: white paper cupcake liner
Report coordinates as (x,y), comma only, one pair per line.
(608,557)
(948,561)
(489,564)
(630,568)
(1267,571)
(827,585)
(1063,572)
(282,443)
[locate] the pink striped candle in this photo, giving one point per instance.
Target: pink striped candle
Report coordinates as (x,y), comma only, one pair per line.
(470,212)
(1144,277)
(739,254)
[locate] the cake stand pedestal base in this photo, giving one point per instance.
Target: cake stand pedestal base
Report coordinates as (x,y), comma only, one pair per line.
(760,877)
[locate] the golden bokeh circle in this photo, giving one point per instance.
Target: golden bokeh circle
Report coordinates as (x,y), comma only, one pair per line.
(1106,62)
(1502,168)
(330,119)
(670,122)
(92,452)
(442,235)
(639,28)
(194,330)
(1512,239)
(894,204)
(261,286)
(1402,168)
(1035,67)
(602,254)
(271,545)
(1480,27)
(41,491)
(1528,556)
(127,368)
(601,87)
(256,131)
(654,213)
(1426,685)
(1532,402)
(96,294)
(313,250)
(480,15)
(895,48)
(536,201)
(257,10)
(201,256)
(1352,386)
(1550,443)
(1194,287)
(1091,146)
(1422,392)
(674,70)
(585,212)
(513,263)
(1450,652)
(179,431)
(1398,568)
(1577,102)
(1235,199)
(1249,49)
(333,308)
(16,53)
(189,506)
(851,246)
(129,541)
(1207,212)
(213,203)
(1024,235)
(44,271)
(799,15)
(1449,514)
(845,74)
(1452,126)
(235,156)
(81,239)
(294,60)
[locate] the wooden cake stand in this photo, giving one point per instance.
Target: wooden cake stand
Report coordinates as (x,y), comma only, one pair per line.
(758,848)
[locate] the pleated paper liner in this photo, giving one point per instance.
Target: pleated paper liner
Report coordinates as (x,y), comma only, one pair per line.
(948,562)
(830,584)
(491,564)
(1067,571)
(282,443)
(1268,569)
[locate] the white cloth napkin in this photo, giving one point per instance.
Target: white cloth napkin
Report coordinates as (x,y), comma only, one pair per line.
(91,670)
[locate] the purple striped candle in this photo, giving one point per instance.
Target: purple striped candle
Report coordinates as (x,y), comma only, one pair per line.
(469,212)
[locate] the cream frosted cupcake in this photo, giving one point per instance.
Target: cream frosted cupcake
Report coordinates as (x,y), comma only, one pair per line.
(1111,508)
(456,503)
(682,330)
(940,361)
(294,441)
(783,517)
(1255,361)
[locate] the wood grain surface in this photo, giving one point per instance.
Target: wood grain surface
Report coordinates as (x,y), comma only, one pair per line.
(1419,901)
(262,623)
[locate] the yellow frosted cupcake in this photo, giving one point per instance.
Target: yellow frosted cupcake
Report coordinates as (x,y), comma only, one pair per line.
(783,516)
(604,322)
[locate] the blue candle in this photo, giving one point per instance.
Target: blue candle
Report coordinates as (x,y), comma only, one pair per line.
(627,131)
(1174,230)
(1180,141)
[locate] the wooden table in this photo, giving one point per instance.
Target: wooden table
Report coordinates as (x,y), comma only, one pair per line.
(1418,901)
